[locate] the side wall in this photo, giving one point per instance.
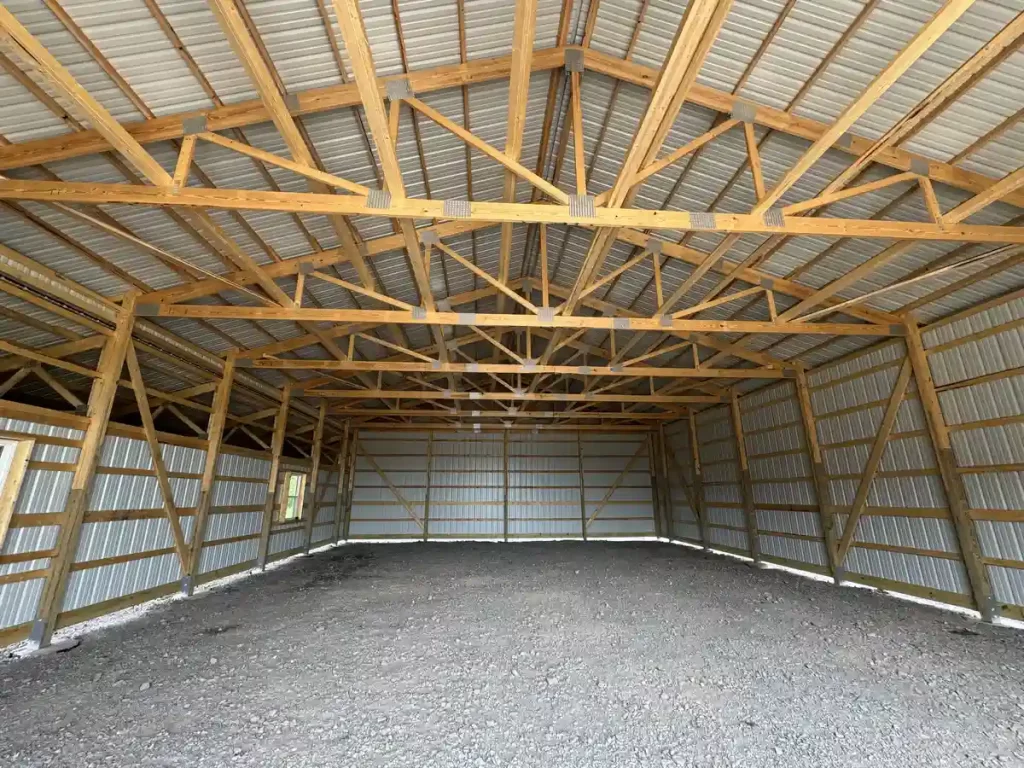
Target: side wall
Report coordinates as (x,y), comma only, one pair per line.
(933,470)
(126,553)
(501,485)
(905,539)
(977,363)
(725,518)
(684,494)
(785,501)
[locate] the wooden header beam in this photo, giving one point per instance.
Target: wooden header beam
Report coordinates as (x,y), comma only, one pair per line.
(525,367)
(422,317)
(520,396)
(524,213)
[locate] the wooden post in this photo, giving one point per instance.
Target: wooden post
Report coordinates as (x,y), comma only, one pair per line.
(426,495)
(669,508)
(276,446)
(311,498)
(583,487)
(339,501)
(504,455)
(656,495)
(698,481)
(215,436)
(101,399)
(821,487)
(748,489)
(956,494)
(352,453)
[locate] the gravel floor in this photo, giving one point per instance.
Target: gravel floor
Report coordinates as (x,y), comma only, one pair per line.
(541,654)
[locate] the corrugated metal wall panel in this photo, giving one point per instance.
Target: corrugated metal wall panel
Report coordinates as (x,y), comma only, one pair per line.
(467,481)
(929,572)
(794,550)
(544,484)
(617,488)
(18,601)
(141,543)
(680,482)
(723,492)
(226,555)
(286,541)
(107,582)
(976,362)
(376,511)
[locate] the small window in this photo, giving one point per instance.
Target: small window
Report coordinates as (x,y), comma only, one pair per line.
(293,488)
(14,457)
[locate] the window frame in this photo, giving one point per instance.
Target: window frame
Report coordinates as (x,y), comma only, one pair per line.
(14,459)
(285,496)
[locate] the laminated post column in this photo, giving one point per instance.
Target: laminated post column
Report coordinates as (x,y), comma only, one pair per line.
(276,446)
(351,484)
(214,436)
(504,454)
(583,487)
(956,494)
(666,482)
(748,488)
(821,487)
(312,499)
(101,399)
(426,493)
(698,481)
(339,499)
(652,463)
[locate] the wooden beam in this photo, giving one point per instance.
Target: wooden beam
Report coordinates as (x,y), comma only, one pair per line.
(822,490)
(746,486)
(380,316)
(511,414)
(962,79)
(345,95)
(273,477)
(54,384)
(254,112)
(698,481)
(301,168)
(871,468)
(579,148)
(313,502)
(1009,183)
(490,151)
(697,31)
(500,285)
(952,482)
(156,454)
(101,400)
(546,397)
(922,41)
(786,122)
(639,453)
(676,155)
(39,63)
(215,435)
(342,464)
(350,22)
(433,366)
(525,22)
(408,209)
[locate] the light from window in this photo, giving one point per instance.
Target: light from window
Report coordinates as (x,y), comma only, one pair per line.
(294,487)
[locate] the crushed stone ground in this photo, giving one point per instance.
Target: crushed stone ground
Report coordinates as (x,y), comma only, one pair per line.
(538,654)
